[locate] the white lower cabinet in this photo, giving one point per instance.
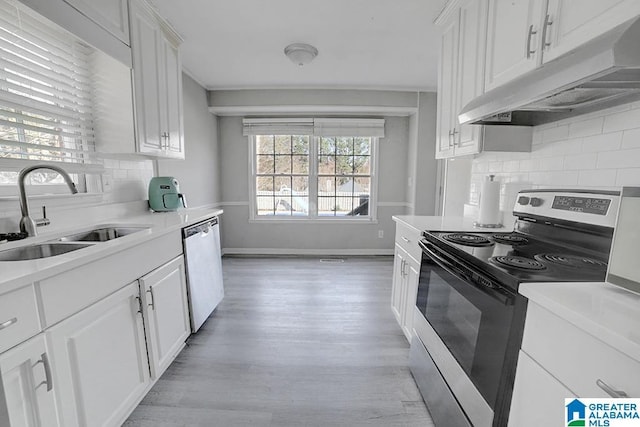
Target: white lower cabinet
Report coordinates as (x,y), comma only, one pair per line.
(28,385)
(166,313)
(106,357)
(534,384)
(406,272)
(99,359)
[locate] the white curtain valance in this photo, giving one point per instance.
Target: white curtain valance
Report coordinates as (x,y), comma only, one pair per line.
(277,127)
(349,127)
(317,127)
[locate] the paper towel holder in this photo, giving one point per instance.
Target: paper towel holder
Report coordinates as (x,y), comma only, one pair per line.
(478,224)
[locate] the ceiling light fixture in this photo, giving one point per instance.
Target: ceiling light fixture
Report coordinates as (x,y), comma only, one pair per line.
(300,53)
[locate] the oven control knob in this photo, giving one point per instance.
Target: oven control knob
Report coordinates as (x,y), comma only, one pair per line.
(523,200)
(536,201)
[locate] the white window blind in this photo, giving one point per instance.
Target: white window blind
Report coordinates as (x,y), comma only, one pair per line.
(45,91)
(329,127)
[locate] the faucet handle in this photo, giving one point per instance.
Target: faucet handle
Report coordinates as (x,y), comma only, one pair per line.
(44,220)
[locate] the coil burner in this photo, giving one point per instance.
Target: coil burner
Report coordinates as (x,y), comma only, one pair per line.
(519,262)
(510,239)
(467,239)
(572,261)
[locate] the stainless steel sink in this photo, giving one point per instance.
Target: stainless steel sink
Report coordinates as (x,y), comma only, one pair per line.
(102,234)
(42,250)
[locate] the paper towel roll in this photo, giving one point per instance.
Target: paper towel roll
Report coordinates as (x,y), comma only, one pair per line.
(489,212)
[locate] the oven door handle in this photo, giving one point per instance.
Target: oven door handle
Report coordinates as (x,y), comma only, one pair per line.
(483,283)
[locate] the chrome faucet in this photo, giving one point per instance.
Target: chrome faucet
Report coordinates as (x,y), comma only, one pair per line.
(27,224)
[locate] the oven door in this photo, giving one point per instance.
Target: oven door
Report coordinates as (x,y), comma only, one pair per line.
(471,313)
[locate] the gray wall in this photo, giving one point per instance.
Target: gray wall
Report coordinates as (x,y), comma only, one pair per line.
(241,236)
(199,173)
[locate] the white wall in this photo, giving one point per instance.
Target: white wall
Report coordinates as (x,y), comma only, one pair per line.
(199,173)
(241,236)
(597,151)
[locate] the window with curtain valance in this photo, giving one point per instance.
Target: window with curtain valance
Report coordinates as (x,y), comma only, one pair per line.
(314,168)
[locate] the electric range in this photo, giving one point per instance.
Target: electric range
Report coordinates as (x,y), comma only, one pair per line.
(469,316)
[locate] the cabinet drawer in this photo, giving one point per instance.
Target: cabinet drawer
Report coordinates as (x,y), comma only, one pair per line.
(407,238)
(18,317)
(71,291)
(576,358)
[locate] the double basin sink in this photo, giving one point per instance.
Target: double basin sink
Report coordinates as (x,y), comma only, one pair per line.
(69,243)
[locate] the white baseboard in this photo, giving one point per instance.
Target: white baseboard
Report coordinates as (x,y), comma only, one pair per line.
(318,252)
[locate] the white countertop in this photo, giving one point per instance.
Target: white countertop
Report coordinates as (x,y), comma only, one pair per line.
(15,274)
(607,312)
(443,223)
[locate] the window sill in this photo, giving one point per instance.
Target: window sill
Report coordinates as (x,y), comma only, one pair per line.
(330,220)
(57,199)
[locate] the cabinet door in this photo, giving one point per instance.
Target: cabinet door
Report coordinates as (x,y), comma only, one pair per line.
(571,23)
(112,15)
(28,385)
(447,78)
(397,289)
(513,39)
(412,275)
(164,296)
(100,361)
(470,84)
(173,104)
(538,398)
(145,46)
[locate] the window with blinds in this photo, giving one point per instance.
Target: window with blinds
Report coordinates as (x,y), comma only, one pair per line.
(313,169)
(45,96)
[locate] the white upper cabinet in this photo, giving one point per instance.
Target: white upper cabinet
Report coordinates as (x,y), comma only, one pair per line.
(570,23)
(460,77)
(112,15)
(157,72)
(524,34)
(513,39)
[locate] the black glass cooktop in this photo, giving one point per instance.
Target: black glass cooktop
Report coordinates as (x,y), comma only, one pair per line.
(515,257)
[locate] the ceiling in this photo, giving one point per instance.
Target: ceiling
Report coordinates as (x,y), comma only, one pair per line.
(362,44)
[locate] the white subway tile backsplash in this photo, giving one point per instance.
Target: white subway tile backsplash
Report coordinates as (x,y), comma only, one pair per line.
(629,176)
(586,127)
(530,165)
(511,166)
(631,138)
(495,167)
(559,133)
(580,161)
(597,178)
(551,164)
(623,120)
(605,142)
(619,159)
(555,178)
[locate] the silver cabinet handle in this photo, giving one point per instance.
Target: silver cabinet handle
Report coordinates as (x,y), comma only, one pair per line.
(531,33)
(402,273)
(44,359)
(547,23)
(617,394)
(455,132)
(405,239)
(5,325)
(152,305)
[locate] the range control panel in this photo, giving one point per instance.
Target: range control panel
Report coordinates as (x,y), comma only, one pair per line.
(597,208)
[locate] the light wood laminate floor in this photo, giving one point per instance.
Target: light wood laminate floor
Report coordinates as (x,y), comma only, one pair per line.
(295,342)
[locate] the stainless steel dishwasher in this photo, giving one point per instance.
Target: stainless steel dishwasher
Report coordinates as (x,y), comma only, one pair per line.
(204,269)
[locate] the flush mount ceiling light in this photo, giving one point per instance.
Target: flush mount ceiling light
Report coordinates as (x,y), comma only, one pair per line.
(300,53)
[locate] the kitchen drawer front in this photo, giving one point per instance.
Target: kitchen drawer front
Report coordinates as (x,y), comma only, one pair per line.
(71,291)
(407,238)
(576,358)
(18,317)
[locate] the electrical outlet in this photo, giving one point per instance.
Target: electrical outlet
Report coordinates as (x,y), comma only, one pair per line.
(380,234)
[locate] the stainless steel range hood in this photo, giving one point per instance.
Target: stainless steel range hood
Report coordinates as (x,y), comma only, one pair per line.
(602,73)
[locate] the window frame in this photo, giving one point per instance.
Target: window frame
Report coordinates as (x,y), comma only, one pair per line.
(313,217)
